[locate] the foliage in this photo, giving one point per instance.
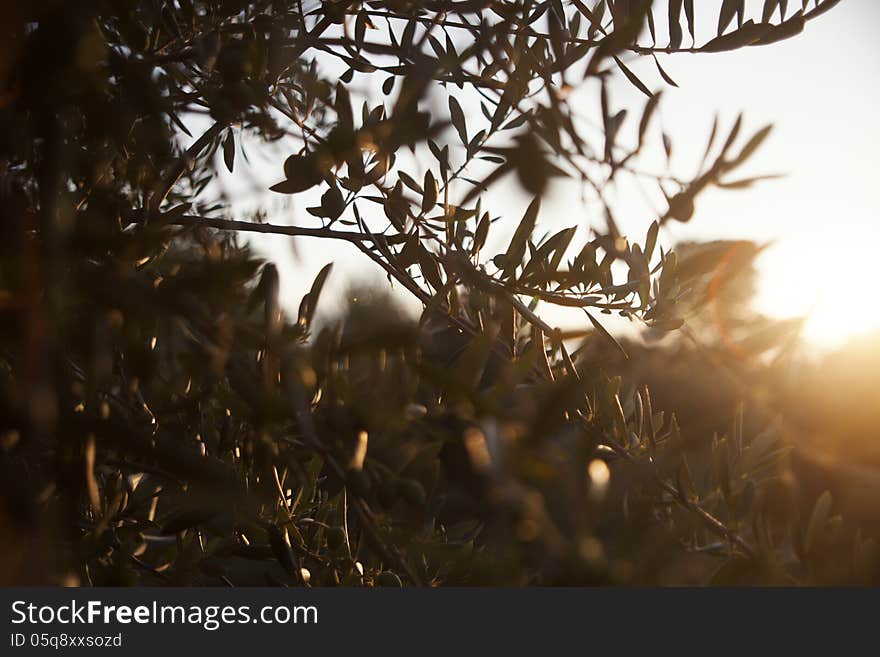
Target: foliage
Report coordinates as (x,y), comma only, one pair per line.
(163,421)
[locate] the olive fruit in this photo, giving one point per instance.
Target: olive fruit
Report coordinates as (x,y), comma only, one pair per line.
(413,492)
(335,537)
(301,172)
(389,492)
(358,482)
(389,579)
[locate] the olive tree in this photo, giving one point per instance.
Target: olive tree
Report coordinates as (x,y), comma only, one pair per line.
(166,421)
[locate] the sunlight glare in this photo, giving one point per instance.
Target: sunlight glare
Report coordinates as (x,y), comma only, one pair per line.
(832,286)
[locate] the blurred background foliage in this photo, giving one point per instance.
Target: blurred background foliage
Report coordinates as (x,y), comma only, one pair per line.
(163,421)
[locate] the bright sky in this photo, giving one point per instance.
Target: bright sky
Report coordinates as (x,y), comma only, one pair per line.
(821,91)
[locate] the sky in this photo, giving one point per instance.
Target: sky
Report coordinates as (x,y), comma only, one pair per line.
(821,220)
(822,91)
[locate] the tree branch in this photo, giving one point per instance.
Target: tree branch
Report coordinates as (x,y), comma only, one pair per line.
(711,522)
(175,171)
(275,229)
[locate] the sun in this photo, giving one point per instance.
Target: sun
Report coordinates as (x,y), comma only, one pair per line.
(834,287)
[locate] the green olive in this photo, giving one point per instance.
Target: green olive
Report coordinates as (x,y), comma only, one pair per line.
(681,207)
(413,492)
(358,482)
(301,172)
(335,538)
(389,579)
(389,492)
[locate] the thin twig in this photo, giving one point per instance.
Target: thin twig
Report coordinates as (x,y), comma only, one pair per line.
(711,522)
(275,229)
(388,552)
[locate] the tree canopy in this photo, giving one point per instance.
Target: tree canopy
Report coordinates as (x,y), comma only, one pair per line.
(165,421)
